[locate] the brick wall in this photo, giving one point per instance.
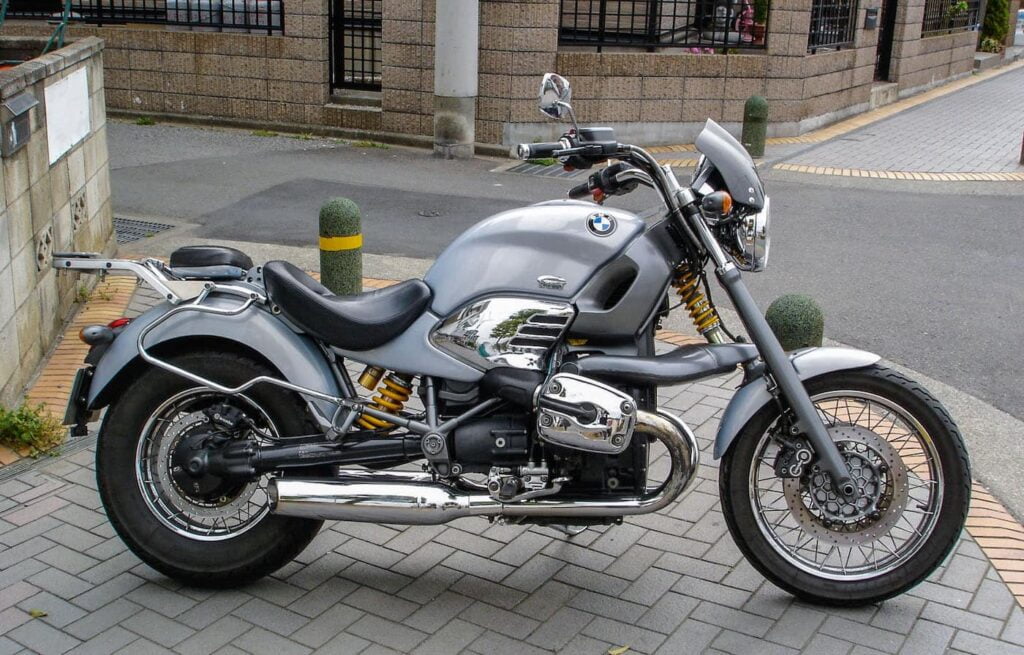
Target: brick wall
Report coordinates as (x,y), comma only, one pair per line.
(919,63)
(650,97)
(46,208)
(281,78)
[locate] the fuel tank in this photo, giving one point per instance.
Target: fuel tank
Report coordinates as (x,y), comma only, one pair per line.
(549,250)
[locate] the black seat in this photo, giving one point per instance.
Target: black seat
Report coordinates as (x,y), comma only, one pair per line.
(200,256)
(358,322)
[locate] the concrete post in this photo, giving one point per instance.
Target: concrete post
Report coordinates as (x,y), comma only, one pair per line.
(456,53)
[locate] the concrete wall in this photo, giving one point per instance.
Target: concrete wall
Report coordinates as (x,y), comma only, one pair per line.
(47,208)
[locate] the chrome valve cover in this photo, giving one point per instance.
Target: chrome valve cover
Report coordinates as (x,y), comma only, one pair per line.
(583,414)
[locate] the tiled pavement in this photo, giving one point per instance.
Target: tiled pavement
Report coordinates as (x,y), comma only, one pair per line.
(975,129)
(667,583)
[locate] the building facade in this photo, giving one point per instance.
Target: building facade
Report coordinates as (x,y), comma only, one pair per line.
(653,69)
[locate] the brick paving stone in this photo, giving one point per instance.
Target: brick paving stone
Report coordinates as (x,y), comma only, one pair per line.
(926,637)
(431,617)
(59,612)
(452,638)
(691,637)
(387,633)
(431,584)
(667,583)
(110,640)
(267,615)
(43,638)
(325,627)
(219,633)
(857,633)
(560,628)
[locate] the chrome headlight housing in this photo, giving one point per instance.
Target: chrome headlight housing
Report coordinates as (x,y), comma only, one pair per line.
(753,240)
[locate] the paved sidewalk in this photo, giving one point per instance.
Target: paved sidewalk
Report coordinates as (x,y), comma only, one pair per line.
(977,129)
(673,582)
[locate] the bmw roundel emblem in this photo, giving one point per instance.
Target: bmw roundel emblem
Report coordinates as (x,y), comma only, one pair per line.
(601,224)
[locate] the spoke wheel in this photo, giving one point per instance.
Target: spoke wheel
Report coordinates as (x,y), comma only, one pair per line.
(205,509)
(908,461)
(199,529)
(893,463)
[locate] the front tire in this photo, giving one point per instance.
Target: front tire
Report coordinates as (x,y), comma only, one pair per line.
(224,537)
(908,458)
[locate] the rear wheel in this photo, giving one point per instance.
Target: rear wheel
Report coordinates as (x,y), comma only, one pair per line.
(908,460)
(204,531)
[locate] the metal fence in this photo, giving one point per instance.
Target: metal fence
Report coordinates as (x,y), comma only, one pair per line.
(949,16)
(833,25)
(355,44)
(699,25)
(253,16)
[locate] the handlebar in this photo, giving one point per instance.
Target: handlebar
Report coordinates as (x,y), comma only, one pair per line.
(582,190)
(540,150)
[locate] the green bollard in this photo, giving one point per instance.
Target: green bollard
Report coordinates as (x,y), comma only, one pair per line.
(796,320)
(755,125)
(341,247)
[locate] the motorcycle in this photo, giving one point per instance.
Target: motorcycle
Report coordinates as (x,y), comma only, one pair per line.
(233,427)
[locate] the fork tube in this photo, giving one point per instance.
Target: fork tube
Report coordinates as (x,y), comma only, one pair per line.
(786,376)
(778,362)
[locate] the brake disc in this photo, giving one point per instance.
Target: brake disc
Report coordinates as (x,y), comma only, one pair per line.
(881,478)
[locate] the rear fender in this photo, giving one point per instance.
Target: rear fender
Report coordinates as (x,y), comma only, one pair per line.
(297,357)
(751,397)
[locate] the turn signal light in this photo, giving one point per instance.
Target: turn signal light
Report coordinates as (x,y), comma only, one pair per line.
(118,323)
(94,335)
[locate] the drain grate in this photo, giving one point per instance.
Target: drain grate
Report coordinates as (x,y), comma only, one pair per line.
(555,170)
(129,229)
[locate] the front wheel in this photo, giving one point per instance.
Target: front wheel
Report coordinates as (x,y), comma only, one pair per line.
(909,462)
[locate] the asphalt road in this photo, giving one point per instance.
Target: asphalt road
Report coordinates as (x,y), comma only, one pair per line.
(925,275)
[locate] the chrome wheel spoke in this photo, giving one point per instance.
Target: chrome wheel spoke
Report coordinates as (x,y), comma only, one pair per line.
(202,518)
(896,467)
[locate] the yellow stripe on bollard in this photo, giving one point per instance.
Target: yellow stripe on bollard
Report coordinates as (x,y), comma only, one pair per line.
(333,244)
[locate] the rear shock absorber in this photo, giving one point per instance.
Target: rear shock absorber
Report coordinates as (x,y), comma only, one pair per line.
(703,314)
(392,394)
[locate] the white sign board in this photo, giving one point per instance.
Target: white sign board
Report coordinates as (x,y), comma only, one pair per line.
(67,113)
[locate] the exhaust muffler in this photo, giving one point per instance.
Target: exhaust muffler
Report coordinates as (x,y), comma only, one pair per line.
(413,498)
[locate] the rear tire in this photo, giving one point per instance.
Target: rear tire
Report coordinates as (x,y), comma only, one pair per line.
(760,534)
(262,544)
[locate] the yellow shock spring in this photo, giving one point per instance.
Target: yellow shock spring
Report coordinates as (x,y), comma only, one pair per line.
(392,395)
(702,313)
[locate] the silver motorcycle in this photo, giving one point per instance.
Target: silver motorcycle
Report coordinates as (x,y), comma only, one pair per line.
(233,426)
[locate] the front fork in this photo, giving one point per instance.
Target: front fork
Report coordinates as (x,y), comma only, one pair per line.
(779,365)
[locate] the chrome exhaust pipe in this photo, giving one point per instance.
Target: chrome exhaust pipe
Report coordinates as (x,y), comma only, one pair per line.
(412,498)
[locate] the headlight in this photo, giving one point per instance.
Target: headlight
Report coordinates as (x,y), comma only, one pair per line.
(753,240)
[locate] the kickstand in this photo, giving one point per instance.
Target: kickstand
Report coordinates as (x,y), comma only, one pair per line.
(571,530)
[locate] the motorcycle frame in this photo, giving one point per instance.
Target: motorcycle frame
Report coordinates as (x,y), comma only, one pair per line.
(683,210)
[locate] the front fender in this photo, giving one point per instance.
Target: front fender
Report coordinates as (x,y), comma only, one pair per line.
(296,356)
(751,397)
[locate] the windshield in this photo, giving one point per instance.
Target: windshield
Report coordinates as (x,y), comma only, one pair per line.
(733,163)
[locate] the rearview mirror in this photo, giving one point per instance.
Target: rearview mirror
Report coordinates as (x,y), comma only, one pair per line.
(555,95)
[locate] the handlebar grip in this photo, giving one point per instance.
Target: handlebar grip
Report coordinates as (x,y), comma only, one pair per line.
(538,150)
(582,190)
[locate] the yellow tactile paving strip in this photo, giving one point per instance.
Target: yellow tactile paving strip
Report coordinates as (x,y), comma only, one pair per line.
(1001,536)
(995,530)
(903,175)
(842,127)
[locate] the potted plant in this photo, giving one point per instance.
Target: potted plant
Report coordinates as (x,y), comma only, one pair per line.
(760,20)
(954,13)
